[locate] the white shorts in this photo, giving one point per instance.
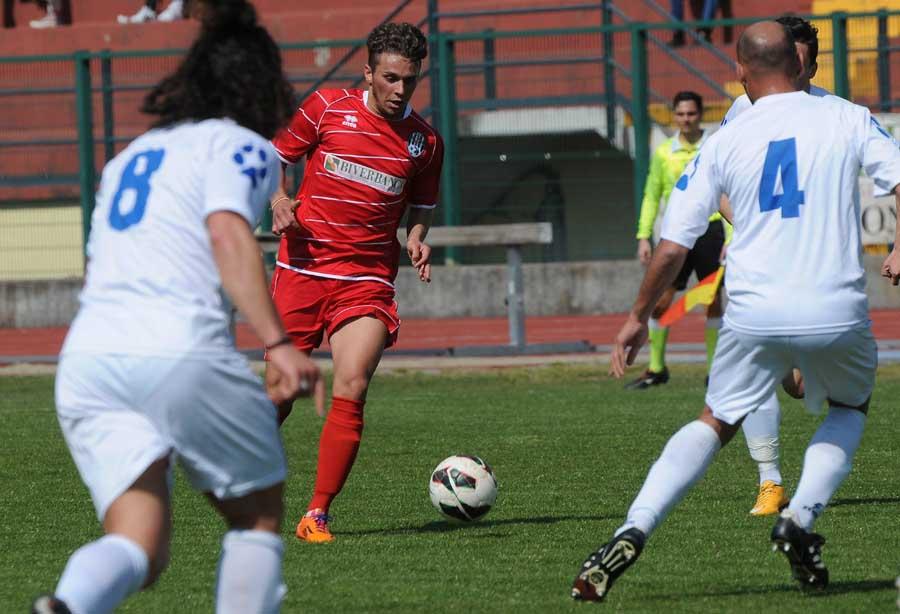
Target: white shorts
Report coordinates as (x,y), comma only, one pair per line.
(119,414)
(837,367)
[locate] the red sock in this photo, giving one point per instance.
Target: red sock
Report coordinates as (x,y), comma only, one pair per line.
(338,446)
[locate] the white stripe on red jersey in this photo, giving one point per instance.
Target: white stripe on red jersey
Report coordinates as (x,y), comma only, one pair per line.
(362,171)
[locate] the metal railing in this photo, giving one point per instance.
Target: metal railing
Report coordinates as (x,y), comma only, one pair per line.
(609,83)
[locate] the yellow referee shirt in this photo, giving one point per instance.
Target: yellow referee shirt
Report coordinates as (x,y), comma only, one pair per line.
(666,166)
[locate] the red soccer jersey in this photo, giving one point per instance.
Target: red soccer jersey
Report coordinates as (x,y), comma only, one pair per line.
(362,171)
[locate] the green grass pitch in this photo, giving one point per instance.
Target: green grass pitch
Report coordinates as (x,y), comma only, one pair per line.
(570,449)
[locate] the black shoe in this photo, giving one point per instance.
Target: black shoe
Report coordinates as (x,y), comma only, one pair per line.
(705,34)
(48,604)
(677,39)
(803,551)
(649,378)
(605,565)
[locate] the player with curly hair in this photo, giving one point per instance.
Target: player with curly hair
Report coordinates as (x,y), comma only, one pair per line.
(149,372)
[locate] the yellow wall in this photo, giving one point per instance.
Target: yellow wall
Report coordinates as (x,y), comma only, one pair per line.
(862,33)
(40,243)
(854,6)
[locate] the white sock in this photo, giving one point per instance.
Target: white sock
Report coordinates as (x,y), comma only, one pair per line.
(683,461)
(102,574)
(827,463)
(761,431)
(249,576)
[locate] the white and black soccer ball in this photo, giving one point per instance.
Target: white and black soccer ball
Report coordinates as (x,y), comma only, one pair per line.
(463,488)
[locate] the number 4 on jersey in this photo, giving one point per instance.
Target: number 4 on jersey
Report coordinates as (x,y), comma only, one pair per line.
(781,160)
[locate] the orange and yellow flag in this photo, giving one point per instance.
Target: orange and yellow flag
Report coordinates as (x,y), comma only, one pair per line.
(702,294)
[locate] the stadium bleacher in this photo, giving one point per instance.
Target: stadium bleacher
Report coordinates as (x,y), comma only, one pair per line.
(554,105)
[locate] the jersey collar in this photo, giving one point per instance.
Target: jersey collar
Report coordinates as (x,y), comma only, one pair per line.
(678,146)
(365,99)
(773,98)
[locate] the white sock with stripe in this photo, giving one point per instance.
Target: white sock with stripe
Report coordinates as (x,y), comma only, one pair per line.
(827,463)
(682,463)
(761,432)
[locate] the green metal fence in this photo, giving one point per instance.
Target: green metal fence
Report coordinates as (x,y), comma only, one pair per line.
(40,219)
(539,125)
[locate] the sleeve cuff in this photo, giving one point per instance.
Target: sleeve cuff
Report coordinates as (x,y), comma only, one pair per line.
(234,207)
(682,241)
(282,157)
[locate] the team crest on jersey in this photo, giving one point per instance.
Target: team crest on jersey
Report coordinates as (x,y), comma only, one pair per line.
(415,145)
(247,163)
(365,175)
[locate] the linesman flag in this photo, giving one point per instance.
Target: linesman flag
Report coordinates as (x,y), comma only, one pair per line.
(702,294)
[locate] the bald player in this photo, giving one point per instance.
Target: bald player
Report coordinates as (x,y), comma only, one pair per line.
(796,296)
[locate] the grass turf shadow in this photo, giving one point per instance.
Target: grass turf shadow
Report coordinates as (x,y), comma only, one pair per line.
(834,588)
(865,501)
(442,526)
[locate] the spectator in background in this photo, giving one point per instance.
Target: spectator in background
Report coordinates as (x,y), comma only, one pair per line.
(676,8)
(9,16)
(173,12)
(726,13)
(58,13)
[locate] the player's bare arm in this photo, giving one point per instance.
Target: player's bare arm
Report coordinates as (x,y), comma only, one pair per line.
(891,266)
(283,206)
(240,266)
(664,267)
(725,209)
(418,222)
(645,251)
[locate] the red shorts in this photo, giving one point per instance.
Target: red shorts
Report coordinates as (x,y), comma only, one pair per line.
(312,307)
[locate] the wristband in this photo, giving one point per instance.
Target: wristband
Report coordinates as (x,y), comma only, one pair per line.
(286,340)
(278,200)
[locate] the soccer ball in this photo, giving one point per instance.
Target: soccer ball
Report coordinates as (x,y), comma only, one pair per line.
(463,488)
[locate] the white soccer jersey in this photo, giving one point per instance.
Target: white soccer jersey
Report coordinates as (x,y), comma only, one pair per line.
(789,165)
(742,103)
(152,286)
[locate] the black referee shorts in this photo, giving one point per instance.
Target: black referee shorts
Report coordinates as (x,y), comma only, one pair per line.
(704,258)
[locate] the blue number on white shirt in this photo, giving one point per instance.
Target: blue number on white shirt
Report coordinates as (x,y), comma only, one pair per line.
(781,158)
(683,180)
(136,178)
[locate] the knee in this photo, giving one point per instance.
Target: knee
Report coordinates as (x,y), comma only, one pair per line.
(259,511)
(724,431)
(354,386)
(262,521)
